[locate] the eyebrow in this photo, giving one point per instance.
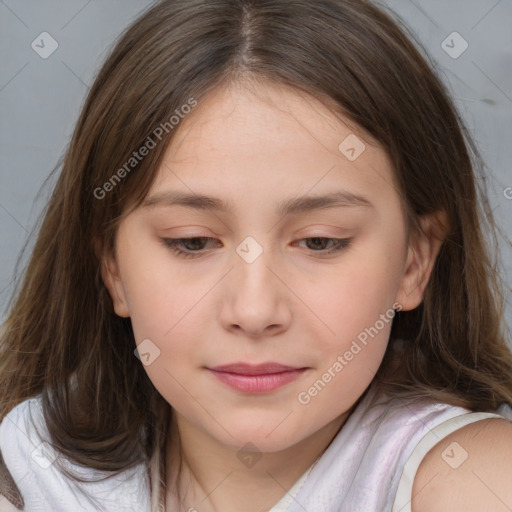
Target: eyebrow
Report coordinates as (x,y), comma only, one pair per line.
(289,206)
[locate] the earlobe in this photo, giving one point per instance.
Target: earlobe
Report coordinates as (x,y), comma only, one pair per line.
(112,280)
(424,247)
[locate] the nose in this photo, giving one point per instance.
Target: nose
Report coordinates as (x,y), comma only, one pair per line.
(256,299)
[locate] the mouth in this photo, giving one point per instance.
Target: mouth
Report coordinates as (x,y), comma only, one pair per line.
(261,378)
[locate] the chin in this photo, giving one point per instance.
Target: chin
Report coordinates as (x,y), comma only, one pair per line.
(263,435)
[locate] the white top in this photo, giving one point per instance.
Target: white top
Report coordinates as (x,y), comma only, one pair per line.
(368,467)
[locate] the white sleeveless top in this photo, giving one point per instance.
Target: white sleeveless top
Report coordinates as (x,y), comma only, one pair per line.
(369,466)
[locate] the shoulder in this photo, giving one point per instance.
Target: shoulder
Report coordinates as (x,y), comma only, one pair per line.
(37,470)
(468,470)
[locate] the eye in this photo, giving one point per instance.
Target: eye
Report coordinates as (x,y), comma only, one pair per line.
(176,244)
(195,247)
(339,244)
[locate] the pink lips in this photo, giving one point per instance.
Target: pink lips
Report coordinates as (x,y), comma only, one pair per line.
(256,378)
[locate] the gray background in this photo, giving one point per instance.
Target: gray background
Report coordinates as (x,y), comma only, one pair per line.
(40,99)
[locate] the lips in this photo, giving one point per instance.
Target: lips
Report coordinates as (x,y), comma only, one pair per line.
(260,369)
(261,378)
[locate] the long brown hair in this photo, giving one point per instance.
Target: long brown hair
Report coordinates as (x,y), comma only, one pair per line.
(62,339)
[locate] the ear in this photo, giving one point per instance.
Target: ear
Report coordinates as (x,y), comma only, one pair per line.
(112,279)
(424,246)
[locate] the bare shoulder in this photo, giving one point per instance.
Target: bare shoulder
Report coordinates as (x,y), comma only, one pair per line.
(470,470)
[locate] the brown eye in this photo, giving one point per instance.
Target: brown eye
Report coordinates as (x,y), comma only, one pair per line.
(320,244)
(191,245)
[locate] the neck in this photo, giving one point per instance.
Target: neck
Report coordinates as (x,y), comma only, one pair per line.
(204,475)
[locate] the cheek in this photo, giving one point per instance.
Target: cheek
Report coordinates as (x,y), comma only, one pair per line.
(164,306)
(159,293)
(350,355)
(356,293)
(356,307)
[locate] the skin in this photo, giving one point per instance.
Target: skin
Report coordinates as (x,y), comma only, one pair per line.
(480,484)
(293,305)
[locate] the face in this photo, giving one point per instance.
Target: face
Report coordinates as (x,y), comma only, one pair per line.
(276,277)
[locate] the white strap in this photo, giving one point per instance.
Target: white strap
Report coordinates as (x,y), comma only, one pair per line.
(403,496)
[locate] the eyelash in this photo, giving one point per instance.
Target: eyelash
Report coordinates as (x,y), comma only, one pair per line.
(174,244)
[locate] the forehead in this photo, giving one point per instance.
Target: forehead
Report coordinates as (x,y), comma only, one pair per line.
(266,117)
(263,144)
